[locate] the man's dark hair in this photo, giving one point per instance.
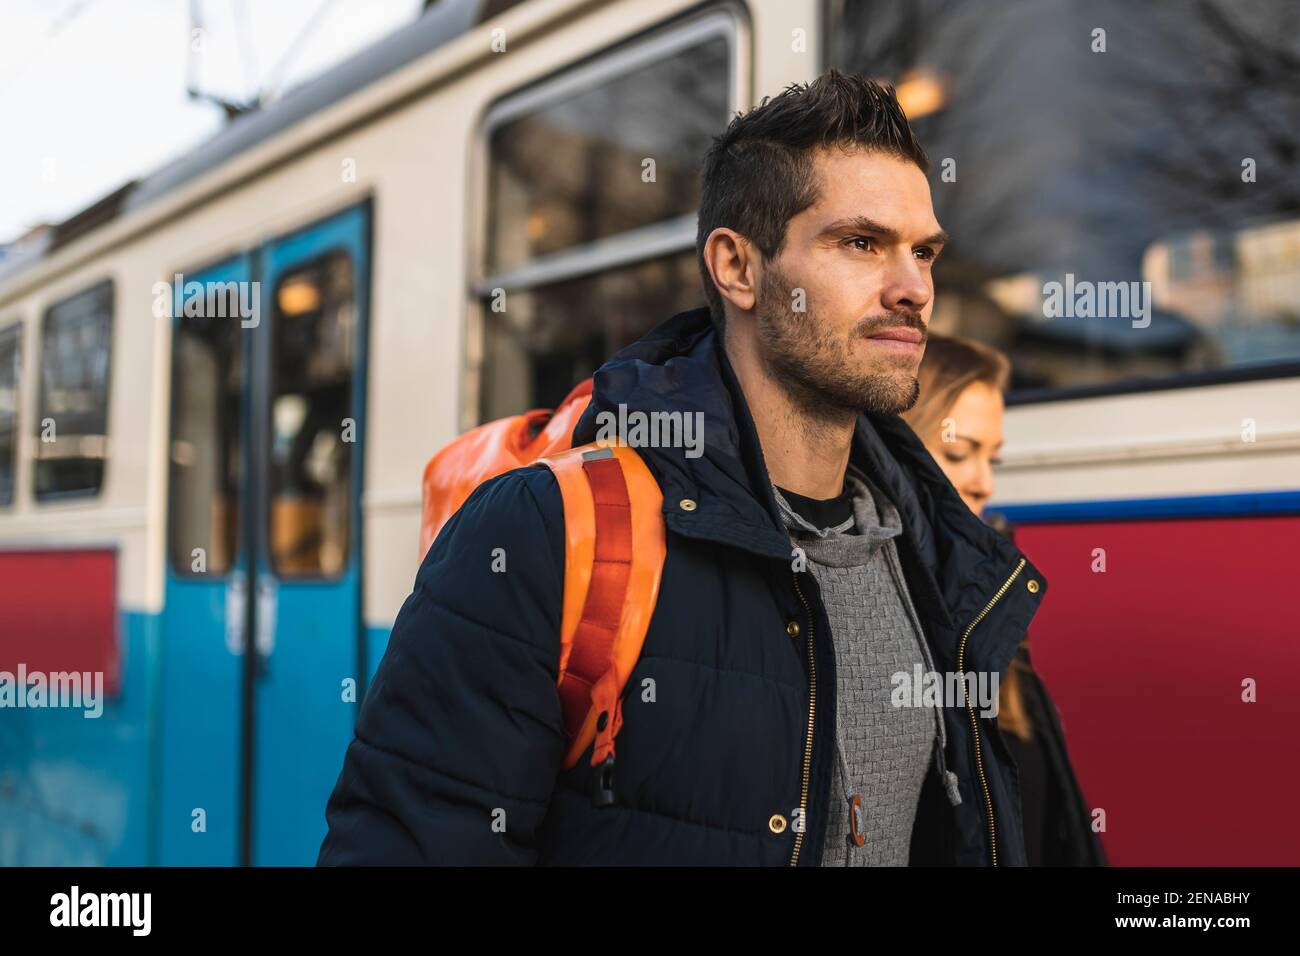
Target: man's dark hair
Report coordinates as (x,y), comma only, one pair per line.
(759,174)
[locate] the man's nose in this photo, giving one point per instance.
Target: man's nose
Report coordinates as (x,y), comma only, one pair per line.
(906,288)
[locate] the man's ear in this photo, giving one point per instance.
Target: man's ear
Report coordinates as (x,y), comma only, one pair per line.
(731,260)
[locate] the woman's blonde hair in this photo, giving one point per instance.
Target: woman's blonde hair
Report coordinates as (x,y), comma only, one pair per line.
(950,364)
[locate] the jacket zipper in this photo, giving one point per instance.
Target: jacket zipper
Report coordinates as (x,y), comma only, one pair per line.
(808,743)
(970,708)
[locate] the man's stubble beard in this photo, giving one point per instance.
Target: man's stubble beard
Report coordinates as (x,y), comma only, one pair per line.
(814,371)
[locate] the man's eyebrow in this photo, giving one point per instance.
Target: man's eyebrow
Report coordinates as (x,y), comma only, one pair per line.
(889,233)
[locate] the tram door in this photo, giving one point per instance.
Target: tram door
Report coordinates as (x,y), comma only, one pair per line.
(206,584)
(308,404)
(263,645)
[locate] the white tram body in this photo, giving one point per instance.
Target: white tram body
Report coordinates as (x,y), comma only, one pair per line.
(366,201)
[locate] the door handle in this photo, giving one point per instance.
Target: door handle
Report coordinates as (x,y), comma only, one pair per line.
(267,593)
(236,606)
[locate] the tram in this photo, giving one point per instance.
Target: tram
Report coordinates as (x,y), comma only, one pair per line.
(219,386)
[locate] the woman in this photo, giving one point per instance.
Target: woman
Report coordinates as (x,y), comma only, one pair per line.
(959,418)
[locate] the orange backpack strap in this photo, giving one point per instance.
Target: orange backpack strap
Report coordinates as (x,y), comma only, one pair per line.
(613,560)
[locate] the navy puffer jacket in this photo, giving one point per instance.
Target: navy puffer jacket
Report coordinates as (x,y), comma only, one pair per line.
(729,720)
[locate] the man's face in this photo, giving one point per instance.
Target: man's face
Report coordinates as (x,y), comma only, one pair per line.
(862,254)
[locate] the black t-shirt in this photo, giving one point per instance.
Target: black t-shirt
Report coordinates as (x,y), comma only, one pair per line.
(823,512)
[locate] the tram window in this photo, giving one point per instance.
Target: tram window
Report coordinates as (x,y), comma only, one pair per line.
(312,430)
(206,462)
(72,428)
(10,366)
(554,336)
(582,167)
(494,8)
(1156,179)
(615,157)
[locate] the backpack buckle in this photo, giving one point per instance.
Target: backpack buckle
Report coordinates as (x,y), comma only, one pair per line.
(602,791)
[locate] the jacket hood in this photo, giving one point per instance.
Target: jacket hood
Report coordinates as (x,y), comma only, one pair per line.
(680,366)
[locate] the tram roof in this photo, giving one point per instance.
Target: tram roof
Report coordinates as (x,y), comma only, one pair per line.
(437,25)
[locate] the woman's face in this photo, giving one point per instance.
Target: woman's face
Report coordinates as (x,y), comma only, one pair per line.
(967,441)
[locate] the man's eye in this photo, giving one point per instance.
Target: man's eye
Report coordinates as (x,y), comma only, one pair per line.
(864,240)
(926,253)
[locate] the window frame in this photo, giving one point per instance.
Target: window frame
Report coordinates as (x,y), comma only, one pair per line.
(13,330)
(109,286)
(725,19)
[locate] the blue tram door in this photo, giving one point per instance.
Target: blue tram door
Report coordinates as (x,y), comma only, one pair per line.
(206,611)
(308,390)
(262,652)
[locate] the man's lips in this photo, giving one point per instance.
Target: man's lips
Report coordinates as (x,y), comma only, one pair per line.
(898,334)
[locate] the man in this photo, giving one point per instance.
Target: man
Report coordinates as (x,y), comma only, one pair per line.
(814,553)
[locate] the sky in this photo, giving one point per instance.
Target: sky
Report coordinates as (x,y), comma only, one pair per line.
(93,92)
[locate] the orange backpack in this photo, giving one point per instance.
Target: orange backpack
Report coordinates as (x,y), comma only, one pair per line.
(613,555)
